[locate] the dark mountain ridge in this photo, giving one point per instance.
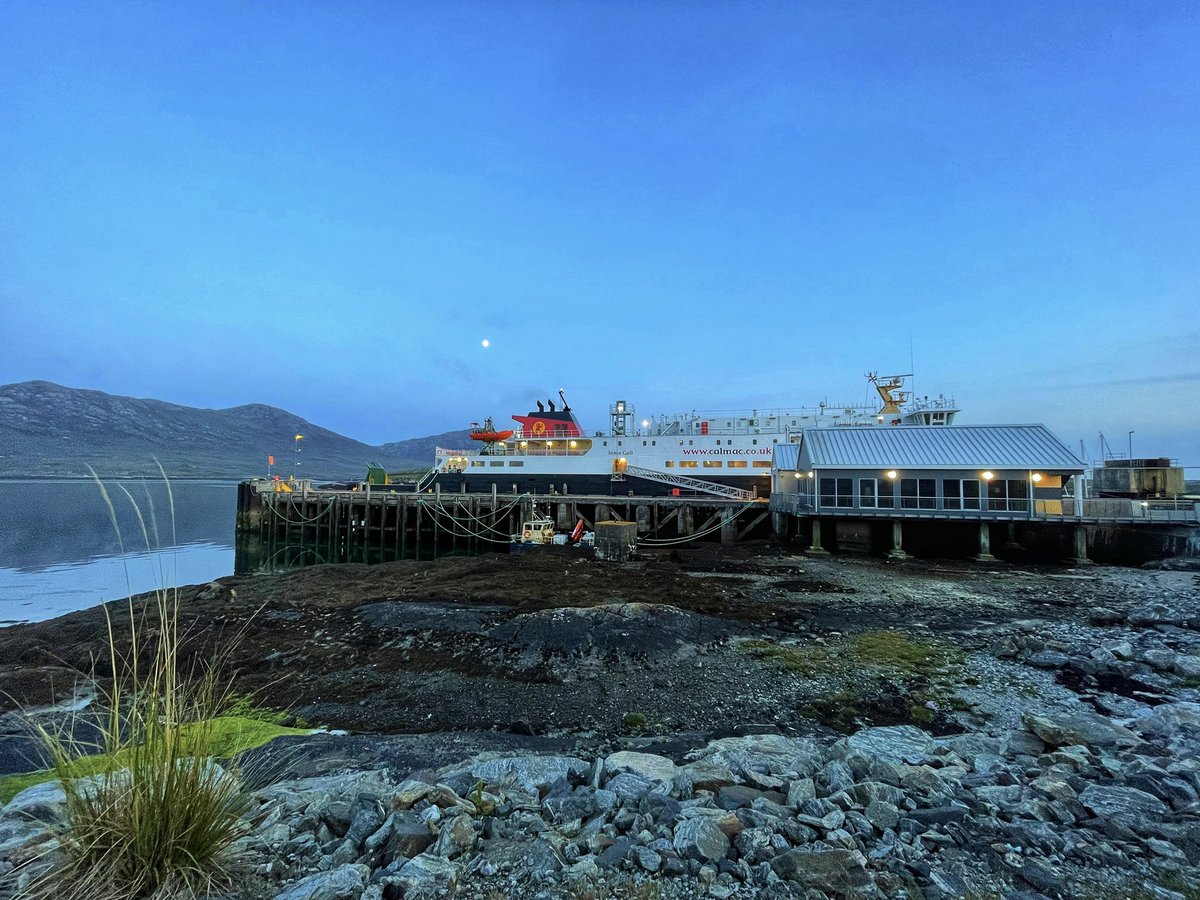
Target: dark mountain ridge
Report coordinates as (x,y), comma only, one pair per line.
(48,429)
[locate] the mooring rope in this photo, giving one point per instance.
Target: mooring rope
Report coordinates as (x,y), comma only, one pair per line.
(667,542)
(302,521)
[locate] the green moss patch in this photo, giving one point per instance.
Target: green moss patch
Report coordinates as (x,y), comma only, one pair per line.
(231,735)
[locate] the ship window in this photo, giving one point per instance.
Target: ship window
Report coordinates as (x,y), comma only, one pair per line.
(762,464)
(736,464)
(643,443)
(496,462)
(712,464)
(774,440)
(690,443)
(681,442)
(477,464)
(728,424)
(718,442)
(654,443)
(670,464)
(619,443)
(755,441)
(688,464)
(516,462)
(606,443)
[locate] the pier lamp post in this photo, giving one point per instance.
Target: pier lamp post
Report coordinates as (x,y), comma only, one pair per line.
(296,456)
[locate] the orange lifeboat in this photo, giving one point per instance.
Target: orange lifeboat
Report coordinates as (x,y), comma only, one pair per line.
(488,433)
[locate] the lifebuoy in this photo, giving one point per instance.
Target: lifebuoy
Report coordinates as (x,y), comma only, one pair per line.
(528,534)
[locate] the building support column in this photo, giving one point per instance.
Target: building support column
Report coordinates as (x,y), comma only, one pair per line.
(1012,543)
(779,522)
(985,543)
(896,550)
(1079,542)
(815,548)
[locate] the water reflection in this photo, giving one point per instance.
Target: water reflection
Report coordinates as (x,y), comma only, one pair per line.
(259,556)
(59,552)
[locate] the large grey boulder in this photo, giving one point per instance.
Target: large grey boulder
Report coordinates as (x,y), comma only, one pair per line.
(1074,727)
(1170,717)
(344,883)
(894,743)
(700,838)
(1124,804)
(761,753)
(835,871)
(531,774)
(648,765)
(427,875)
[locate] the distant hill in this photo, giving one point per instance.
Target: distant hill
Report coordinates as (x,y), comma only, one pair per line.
(47,429)
(422,448)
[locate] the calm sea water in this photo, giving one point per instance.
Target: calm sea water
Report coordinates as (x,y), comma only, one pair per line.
(59,551)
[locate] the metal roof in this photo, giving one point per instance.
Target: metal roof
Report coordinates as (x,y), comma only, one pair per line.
(787,456)
(939,447)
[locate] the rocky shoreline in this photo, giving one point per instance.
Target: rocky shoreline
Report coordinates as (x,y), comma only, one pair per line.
(755,725)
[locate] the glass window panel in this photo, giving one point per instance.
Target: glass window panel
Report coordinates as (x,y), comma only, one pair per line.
(866,493)
(908,493)
(885,487)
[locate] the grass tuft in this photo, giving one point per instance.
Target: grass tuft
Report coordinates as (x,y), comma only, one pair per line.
(149,812)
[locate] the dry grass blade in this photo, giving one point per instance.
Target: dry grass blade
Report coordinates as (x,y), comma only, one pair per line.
(149,811)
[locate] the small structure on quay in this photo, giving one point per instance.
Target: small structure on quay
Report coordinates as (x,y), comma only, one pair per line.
(869,483)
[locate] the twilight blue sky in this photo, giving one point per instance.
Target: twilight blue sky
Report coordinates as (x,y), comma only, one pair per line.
(327,206)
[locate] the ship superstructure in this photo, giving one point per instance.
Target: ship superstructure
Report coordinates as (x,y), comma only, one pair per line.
(550,452)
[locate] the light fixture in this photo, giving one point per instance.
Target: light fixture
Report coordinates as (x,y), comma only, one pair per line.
(645,423)
(1036,476)
(797,474)
(524,443)
(812,474)
(891,473)
(549,443)
(572,443)
(988,476)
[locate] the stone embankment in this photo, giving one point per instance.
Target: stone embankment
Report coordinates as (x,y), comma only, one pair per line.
(1073,804)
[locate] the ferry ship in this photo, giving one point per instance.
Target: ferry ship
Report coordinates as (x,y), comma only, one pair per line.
(724,453)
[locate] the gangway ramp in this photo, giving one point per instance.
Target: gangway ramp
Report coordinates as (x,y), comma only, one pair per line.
(692,484)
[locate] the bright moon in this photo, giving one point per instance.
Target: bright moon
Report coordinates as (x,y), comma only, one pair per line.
(486,342)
